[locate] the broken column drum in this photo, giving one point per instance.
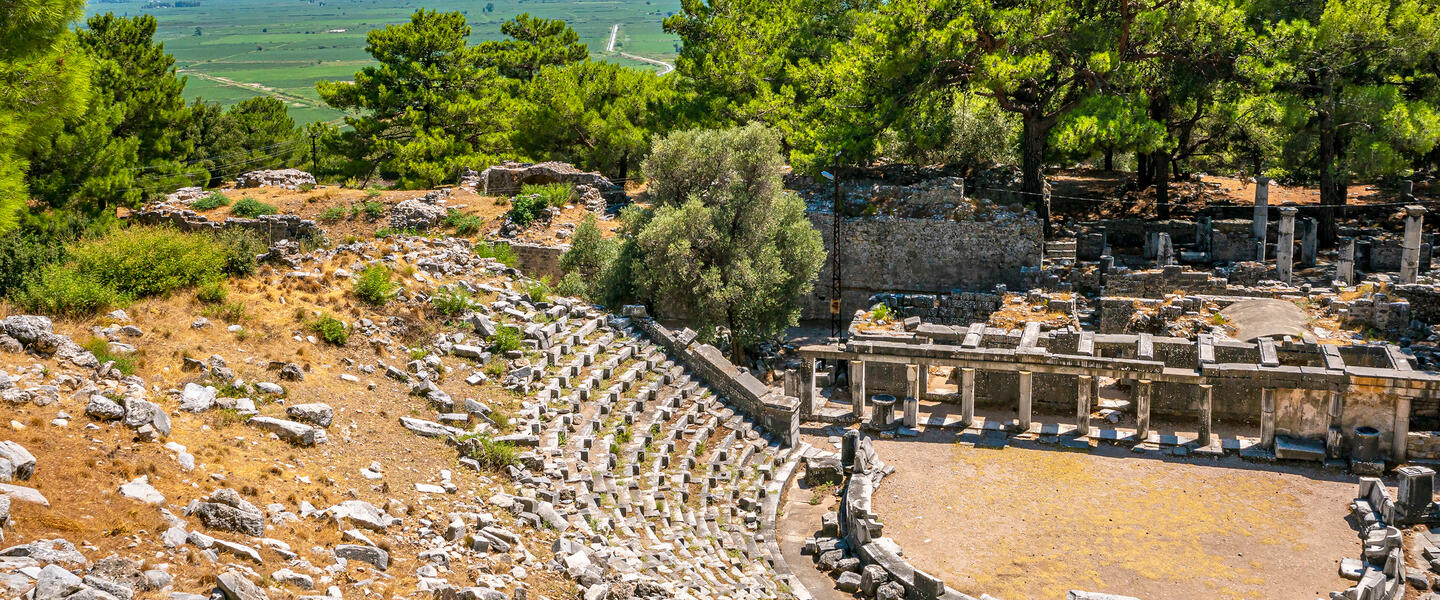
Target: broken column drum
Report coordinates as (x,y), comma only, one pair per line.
(882,410)
(1410,252)
(1285,245)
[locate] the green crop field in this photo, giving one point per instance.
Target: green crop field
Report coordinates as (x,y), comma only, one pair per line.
(246,48)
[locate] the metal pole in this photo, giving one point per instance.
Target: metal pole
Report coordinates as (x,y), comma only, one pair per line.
(835,280)
(314,155)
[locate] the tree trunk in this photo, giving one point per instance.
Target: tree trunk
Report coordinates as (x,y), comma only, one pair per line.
(1329,191)
(1032,167)
(1109,159)
(1142,170)
(624,170)
(1161,160)
(737,351)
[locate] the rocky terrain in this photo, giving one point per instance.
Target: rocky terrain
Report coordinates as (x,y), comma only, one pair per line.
(469,438)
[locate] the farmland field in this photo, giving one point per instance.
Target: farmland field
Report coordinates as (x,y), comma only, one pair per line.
(246,48)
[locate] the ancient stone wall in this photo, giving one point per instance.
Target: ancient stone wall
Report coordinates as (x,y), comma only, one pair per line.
(539,260)
(272,228)
(771,409)
(924,256)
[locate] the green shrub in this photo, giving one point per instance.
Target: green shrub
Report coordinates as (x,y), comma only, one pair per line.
(331,329)
(242,250)
(502,421)
(554,194)
(525,209)
(539,291)
(373,210)
(452,300)
(213,292)
(250,208)
(334,213)
(464,224)
(489,453)
(880,312)
(148,261)
(60,289)
(500,251)
(374,285)
(572,285)
(101,349)
(372,193)
(26,251)
(506,339)
(305,187)
(495,369)
(211,202)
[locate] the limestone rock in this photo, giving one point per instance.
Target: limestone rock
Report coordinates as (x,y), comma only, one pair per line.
(56,551)
(27,329)
(361,514)
(54,583)
(315,413)
(227,511)
(237,587)
(104,409)
(299,434)
(197,398)
(289,179)
(19,458)
(140,489)
(369,554)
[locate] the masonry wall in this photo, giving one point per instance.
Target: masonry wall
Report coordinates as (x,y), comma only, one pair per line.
(537,260)
(923,256)
(772,410)
(271,228)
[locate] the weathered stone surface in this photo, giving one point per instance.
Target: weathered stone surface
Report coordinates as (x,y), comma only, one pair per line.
(315,413)
(284,178)
(849,582)
(890,591)
(27,329)
(197,398)
(104,409)
(48,551)
(54,583)
(227,511)
(23,494)
(360,514)
(416,214)
(19,458)
(428,428)
(369,554)
(299,434)
(507,178)
(288,577)
(822,470)
(236,587)
(140,489)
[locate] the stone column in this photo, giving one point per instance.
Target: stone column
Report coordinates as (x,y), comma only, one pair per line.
(1398,448)
(924,381)
(1309,245)
(912,381)
(1024,410)
(1410,253)
(1262,210)
(1285,246)
(1164,250)
(1335,433)
(1345,264)
(1267,419)
(967,396)
(857,388)
(1142,409)
(1082,404)
(1206,393)
(912,412)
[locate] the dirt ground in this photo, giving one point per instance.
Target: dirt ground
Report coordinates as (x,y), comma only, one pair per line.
(1034,522)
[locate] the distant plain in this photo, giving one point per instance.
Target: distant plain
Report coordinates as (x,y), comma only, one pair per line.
(247,48)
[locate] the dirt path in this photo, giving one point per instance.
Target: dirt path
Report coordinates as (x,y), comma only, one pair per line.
(667,66)
(1035,522)
(798,520)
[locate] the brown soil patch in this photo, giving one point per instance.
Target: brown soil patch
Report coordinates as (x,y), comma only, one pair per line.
(1034,523)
